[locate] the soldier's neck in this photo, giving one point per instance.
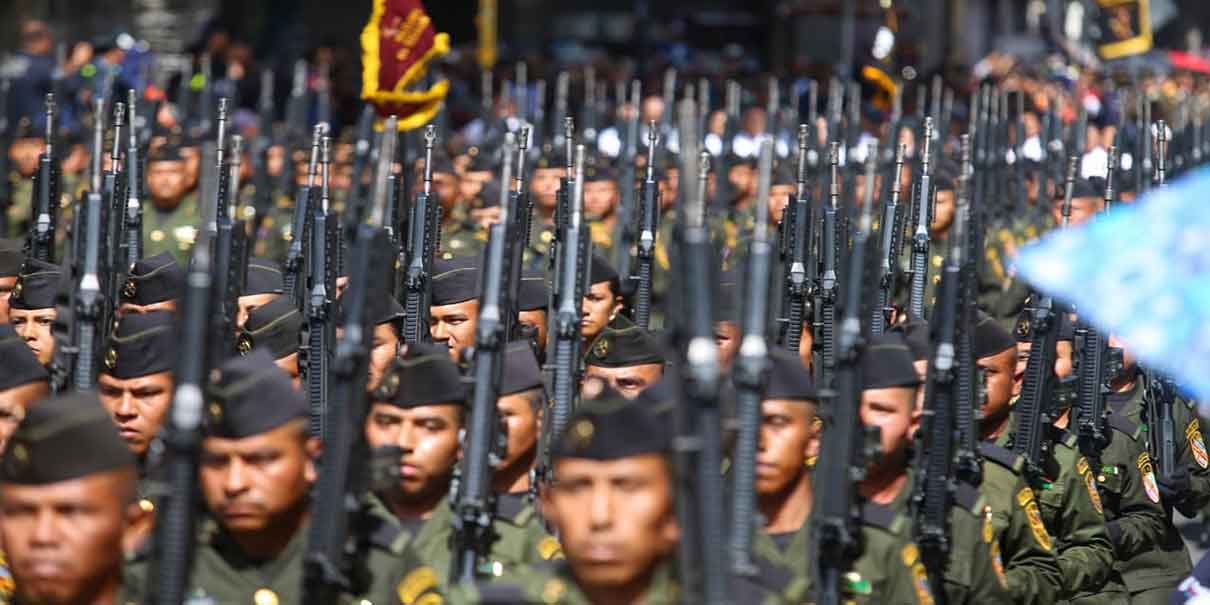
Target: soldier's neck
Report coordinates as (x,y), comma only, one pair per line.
(414,507)
(990,428)
(514,479)
(1124,382)
(628,594)
(271,541)
(107,593)
(883,487)
(786,511)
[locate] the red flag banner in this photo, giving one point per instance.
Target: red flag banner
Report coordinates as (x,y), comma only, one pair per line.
(397,45)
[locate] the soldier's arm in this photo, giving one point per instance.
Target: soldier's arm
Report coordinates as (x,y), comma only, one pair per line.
(1192,455)
(988,585)
(1086,553)
(1032,567)
(1140,522)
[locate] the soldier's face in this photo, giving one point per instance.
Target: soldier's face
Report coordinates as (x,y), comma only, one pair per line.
(428,438)
(34,327)
(600,198)
(166,181)
(943,211)
(6,292)
(543,186)
(64,540)
(164,305)
(276,160)
(1082,210)
(524,421)
(628,381)
(599,305)
(893,411)
(615,518)
(454,326)
(472,183)
(248,304)
(788,436)
(261,481)
(445,185)
(779,198)
(998,369)
(805,344)
(289,365)
(668,188)
(741,179)
(24,154)
(726,336)
(383,351)
(193,160)
(13,404)
(536,320)
(137,406)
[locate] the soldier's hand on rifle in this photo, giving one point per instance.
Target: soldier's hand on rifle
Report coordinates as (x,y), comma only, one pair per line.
(1175,488)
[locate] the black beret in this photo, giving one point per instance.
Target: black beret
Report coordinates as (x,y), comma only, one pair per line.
(1079,188)
(887,363)
(726,297)
(1023,329)
(168,152)
(156,279)
(36,286)
(455,280)
(250,395)
(442,164)
(788,378)
(622,347)
(423,376)
(20,364)
(945,178)
(610,428)
(264,277)
(521,371)
(786,172)
(915,333)
(672,161)
(602,271)
(550,159)
(599,170)
(382,309)
(274,326)
(142,344)
(12,256)
(481,161)
(64,438)
(533,294)
(990,337)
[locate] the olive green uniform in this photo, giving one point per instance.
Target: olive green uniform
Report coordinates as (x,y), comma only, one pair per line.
(1072,512)
(20,208)
(273,238)
(974,573)
(1026,547)
(461,236)
(888,572)
(1152,575)
(172,231)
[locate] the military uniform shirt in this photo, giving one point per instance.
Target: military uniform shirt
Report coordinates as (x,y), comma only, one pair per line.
(172,231)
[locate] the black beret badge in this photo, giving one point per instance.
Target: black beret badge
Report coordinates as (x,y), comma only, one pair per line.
(1022,328)
(18,287)
(111,358)
(130,289)
(601,348)
(244,343)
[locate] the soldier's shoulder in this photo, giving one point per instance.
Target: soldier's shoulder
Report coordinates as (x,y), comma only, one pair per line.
(882,518)
(1001,457)
(1124,425)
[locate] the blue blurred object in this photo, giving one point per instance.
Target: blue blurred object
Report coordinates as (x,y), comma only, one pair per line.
(1143,272)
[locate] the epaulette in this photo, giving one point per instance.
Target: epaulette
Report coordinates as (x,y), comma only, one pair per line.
(500,593)
(388,536)
(509,509)
(1123,424)
(967,497)
(882,517)
(1065,437)
(1000,456)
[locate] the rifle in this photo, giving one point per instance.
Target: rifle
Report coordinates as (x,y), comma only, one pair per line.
(826,318)
(361,161)
(648,220)
(176,517)
(796,227)
(724,190)
(1037,386)
(521,85)
(223,305)
(323,94)
(697,448)
(889,247)
(751,369)
(968,463)
(625,232)
(1161,154)
(300,223)
(474,507)
(934,485)
(572,280)
(923,207)
(41,242)
(835,527)
(113,201)
(423,225)
(318,330)
(328,562)
(132,227)
(88,298)
(1092,346)
(1159,397)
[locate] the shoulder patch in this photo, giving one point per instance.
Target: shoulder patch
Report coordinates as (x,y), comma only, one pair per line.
(920,577)
(1148,472)
(997,563)
(553,590)
(1193,432)
(1025,498)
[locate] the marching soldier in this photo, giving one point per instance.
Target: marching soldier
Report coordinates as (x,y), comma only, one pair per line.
(276,327)
(154,284)
(23,382)
(170,215)
(602,194)
(454,312)
(602,301)
(533,298)
(136,382)
(264,283)
(627,359)
(32,307)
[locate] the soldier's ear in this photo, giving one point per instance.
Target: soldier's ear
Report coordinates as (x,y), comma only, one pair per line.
(313,449)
